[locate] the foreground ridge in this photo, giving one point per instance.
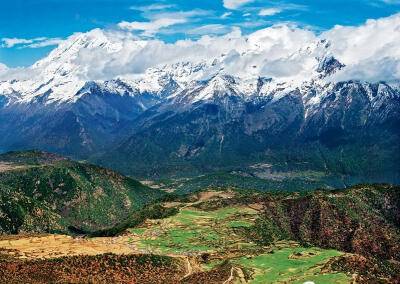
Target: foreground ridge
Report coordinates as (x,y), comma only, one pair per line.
(41,192)
(228,234)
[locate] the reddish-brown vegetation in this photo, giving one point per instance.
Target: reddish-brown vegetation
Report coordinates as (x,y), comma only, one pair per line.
(362,220)
(366,269)
(106,268)
(219,274)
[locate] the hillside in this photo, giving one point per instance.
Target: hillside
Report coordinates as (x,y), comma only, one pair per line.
(231,235)
(309,129)
(362,219)
(44,192)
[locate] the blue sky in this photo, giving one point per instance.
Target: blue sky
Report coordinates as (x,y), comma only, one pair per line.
(37,25)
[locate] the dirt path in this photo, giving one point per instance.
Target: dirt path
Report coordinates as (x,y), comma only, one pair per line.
(241,276)
(189,268)
(239,273)
(230,277)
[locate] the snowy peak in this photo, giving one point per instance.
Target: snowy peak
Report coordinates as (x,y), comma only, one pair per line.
(62,60)
(67,72)
(61,75)
(328,66)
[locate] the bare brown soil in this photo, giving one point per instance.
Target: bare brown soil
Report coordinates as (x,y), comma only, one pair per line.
(50,246)
(9,166)
(207,195)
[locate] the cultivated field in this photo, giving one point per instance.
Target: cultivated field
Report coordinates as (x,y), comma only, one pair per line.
(211,245)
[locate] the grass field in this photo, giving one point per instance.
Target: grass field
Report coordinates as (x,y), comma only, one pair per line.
(218,236)
(192,230)
(218,233)
(297,265)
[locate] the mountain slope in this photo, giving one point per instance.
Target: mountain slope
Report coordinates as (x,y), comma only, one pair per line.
(340,236)
(362,219)
(350,134)
(44,192)
(227,233)
(87,125)
(194,117)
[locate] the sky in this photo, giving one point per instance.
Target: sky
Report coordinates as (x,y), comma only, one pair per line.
(30,29)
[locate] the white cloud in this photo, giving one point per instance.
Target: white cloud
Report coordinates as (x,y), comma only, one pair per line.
(152,27)
(251,24)
(391,1)
(158,21)
(3,68)
(11,42)
(281,8)
(31,43)
(370,51)
(211,29)
(283,51)
(151,15)
(226,15)
(152,7)
(269,12)
(235,4)
(45,42)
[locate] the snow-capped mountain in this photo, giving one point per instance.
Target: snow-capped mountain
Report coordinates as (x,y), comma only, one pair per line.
(65,71)
(188,113)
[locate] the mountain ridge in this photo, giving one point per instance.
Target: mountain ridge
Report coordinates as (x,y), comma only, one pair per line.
(205,113)
(44,192)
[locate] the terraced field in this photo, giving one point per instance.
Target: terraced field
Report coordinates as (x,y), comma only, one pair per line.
(292,265)
(211,236)
(194,231)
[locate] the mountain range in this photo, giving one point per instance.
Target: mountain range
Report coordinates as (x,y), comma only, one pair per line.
(192,118)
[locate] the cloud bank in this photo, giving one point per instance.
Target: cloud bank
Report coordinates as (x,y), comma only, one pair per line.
(371,52)
(284,52)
